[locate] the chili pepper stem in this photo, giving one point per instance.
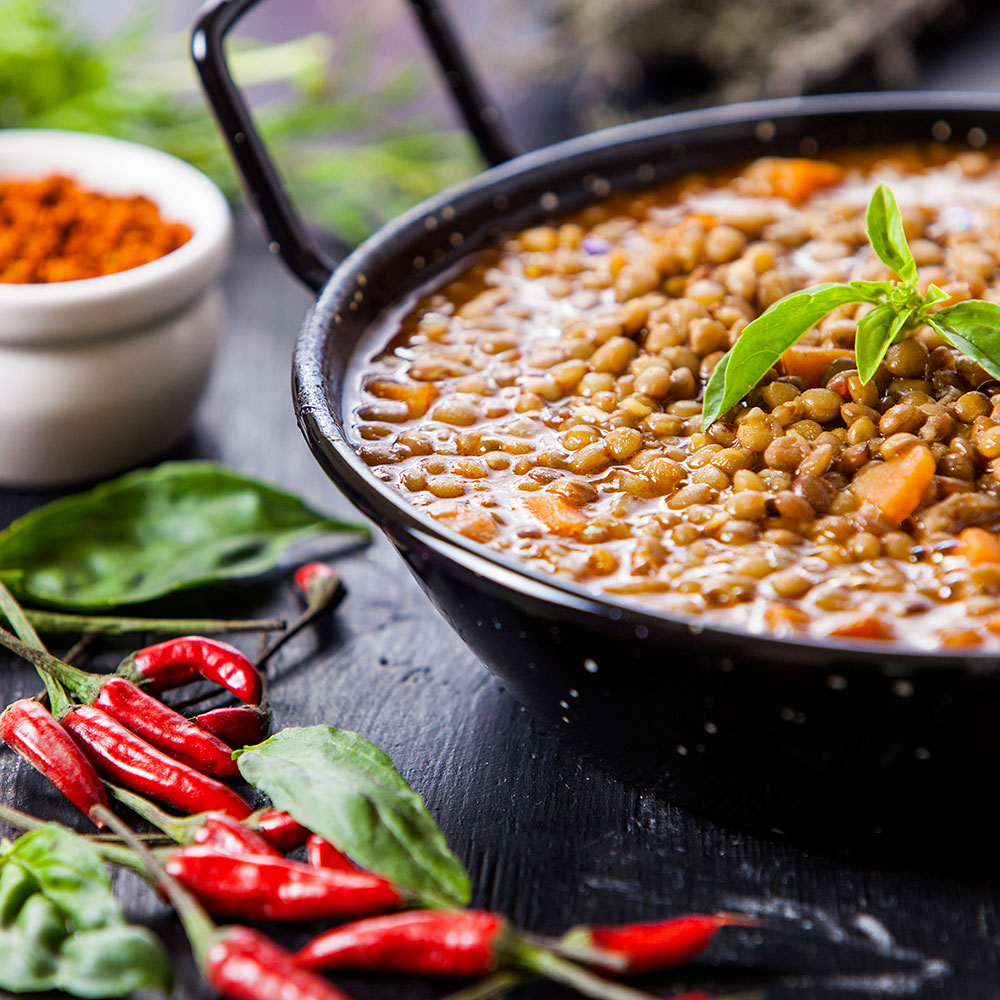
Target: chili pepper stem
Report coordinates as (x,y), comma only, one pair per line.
(178,828)
(55,621)
(492,986)
(328,598)
(198,925)
(113,853)
(13,613)
(83,685)
(560,970)
(578,950)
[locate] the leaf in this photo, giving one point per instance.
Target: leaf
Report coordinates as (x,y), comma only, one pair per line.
(974,328)
(61,928)
(885,231)
(763,342)
(153,532)
(877,331)
(345,789)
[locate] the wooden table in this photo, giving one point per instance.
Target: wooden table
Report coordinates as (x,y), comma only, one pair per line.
(548,838)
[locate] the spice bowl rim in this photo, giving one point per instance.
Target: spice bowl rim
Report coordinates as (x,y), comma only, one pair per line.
(115,304)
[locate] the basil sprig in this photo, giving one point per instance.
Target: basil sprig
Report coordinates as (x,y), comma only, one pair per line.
(61,928)
(972,327)
(347,790)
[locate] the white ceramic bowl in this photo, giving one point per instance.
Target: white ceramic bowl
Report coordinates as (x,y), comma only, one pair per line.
(101,374)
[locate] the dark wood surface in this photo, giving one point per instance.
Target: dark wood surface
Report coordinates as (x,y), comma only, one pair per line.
(548,838)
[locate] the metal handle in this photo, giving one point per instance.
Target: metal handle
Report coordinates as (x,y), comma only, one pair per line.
(265,190)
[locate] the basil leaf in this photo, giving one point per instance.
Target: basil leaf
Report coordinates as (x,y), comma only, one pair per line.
(345,789)
(885,231)
(877,332)
(763,341)
(113,961)
(61,928)
(70,873)
(153,532)
(974,328)
(873,290)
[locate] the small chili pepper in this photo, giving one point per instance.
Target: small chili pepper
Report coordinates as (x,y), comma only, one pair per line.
(237,726)
(281,830)
(32,732)
(276,888)
(652,947)
(121,756)
(165,729)
(416,943)
(316,578)
(177,662)
(243,964)
(232,837)
(322,854)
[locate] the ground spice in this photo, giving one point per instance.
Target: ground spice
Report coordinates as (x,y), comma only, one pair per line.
(54,230)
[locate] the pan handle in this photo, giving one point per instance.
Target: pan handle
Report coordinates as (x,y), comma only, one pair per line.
(262,182)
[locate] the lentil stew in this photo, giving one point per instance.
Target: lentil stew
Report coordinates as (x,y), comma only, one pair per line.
(545,403)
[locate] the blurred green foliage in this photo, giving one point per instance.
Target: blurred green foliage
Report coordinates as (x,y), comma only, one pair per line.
(57,72)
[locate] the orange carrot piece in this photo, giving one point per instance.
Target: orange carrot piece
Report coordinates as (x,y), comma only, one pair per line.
(896,487)
(781,618)
(979,546)
(869,627)
(467,519)
(798,178)
(558,515)
(961,637)
(809,363)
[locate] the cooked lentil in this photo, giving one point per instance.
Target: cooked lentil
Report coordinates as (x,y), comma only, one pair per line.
(554,386)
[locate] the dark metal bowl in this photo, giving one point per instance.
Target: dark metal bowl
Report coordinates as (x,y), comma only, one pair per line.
(840,739)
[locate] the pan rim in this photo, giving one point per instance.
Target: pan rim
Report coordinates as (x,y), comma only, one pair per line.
(316,408)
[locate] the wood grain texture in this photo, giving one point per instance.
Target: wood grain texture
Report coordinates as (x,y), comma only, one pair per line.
(548,838)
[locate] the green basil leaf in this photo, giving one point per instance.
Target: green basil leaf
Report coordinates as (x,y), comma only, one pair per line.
(873,290)
(153,532)
(974,328)
(62,928)
(70,873)
(877,332)
(113,962)
(345,789)
(764,340)
(885,231)
(934,295)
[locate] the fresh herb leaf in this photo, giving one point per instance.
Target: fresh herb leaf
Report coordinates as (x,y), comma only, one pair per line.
(61,928)
(153,532)
(974,328)
(877,331)
(888,238)
(345,789)
(762,343)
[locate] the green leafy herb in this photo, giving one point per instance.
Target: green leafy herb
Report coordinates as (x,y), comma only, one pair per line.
(60,927)
(153,532)
(347,790)
(898,307)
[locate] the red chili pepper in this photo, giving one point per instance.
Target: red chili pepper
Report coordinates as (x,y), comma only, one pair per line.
(232,837)
(322,854)
(178,662)
(276,888)
(237,726)
(121,756)
(32,732)
(245,965)
(651,947)
(165,729)
(416,943)
(315,576)
(281,830)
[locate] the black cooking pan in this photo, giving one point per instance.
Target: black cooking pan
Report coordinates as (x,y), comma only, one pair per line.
(788,734)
